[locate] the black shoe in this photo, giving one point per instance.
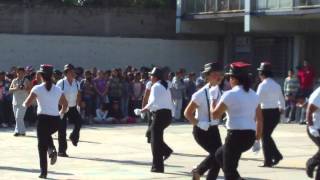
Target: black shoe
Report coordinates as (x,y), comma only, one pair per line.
(157,170)
(276,161)
(23,134)
(43,176)
(53,157)
(267,165)
(16,134)
(63,154)
(73,140)
(310,166)
(165,157)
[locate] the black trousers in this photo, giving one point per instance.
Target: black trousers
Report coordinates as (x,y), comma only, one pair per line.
(148,132)
(271,118)
(228,155)
(161,119)
(210,141)
(316,158)
(46,126)
(73,116)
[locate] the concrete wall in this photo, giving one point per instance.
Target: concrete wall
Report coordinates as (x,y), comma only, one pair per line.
(41,19)
(104,52)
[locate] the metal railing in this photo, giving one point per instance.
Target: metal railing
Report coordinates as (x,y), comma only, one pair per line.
(285,4)
(213,6)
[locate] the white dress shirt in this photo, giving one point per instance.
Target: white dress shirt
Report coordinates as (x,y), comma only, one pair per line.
(70,91)
(315,100)
(204,101)
(241,108)
(48,101)
(270,95)
(160,98)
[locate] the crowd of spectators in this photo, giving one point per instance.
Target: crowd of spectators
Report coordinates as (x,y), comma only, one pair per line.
(108,96)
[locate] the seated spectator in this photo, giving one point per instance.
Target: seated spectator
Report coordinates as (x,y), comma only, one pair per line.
(102,115)
(116,115)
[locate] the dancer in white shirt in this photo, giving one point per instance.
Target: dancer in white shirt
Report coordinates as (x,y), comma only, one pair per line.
(313,119)
(160,105)
(244,120)
(48,97)
(205,129)
(272,105)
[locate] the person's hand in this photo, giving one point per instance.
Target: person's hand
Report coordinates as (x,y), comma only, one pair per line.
(313,131)
(137,112)
(61,113)
(281,110)
(256,146)
(204,125)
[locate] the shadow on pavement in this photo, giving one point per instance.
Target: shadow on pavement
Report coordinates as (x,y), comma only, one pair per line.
(188,155)
(31,170)
(81,141)
(127,162)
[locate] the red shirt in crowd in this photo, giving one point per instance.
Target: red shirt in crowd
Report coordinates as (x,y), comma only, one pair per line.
(306,77)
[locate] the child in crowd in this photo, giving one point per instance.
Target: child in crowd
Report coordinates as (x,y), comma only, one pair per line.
(115,115)
(102,115)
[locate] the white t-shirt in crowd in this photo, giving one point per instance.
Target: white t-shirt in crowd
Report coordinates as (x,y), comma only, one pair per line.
(270,95)
(69,90)
(315,100)
(160,98)
(241,108)
(48,101)
(201,99)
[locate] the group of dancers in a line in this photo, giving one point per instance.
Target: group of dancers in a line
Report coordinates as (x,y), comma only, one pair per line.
(251,117)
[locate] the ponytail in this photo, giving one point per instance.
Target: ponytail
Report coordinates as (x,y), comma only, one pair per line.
(48,81)
(245,81)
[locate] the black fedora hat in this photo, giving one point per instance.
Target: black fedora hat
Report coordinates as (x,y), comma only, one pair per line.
(68,67)
(46,69)
(239,68)
(211,67)
(265,66)
(157,72)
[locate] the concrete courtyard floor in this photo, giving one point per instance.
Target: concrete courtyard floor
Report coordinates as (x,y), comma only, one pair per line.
(121,153)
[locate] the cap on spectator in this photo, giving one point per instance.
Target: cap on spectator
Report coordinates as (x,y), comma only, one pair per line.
(46,69)
(57,72)
(238,69)
(29,68)
(156,72)
(68,67)
(265,67)
(211,67)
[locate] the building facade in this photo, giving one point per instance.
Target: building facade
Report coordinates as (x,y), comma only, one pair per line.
(284,32)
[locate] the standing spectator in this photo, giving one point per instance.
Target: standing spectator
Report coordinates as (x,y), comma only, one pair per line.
(88,95)
(100,85)
(200,82)
(138,91)
(178,91)
(115,87)
(307,78)
(57,75)
(190,85)
(126,92)
(3,119)
(290,88)
(20,88)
